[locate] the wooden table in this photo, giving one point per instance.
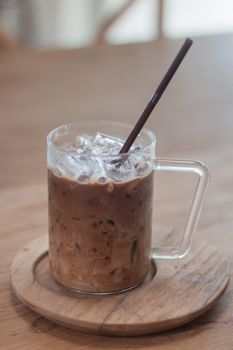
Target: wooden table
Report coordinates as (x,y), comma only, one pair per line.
(193,120)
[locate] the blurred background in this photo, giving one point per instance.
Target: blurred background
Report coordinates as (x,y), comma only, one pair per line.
(43,24)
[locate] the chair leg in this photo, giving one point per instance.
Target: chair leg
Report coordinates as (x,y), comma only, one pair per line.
(101,36)
(160,18)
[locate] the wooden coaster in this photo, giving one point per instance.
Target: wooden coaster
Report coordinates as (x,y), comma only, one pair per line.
(180,291)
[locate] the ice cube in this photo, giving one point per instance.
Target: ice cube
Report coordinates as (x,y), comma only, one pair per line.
(134,149)
(105,144)
(67,146)
(141,164)
(83,143)
(102,179)
(67,166)
(119,169)
(103,140)
(75,166)
(56,171)
(83,178)
(98,164)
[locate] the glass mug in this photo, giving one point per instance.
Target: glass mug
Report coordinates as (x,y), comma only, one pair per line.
(100,230)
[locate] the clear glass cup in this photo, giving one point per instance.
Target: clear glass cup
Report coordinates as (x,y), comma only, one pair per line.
(100,229)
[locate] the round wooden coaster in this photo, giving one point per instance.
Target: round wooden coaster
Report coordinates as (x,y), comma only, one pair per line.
(180,291)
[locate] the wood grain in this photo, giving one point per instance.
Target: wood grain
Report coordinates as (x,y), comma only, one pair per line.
(193,121)
(179,292)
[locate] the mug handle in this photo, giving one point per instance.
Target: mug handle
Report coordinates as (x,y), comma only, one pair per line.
(187,166)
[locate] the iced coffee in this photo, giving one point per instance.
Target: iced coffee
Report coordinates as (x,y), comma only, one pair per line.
(100,208)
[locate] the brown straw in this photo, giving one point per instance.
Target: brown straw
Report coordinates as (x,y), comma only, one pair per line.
(155,98)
